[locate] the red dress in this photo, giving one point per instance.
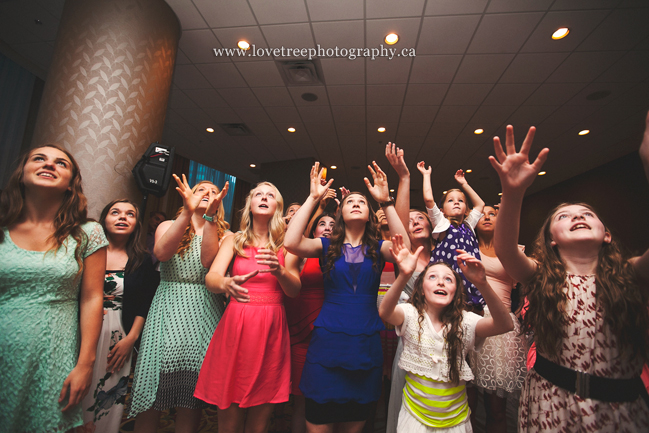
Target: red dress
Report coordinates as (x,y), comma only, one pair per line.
(301,312)
(248,360)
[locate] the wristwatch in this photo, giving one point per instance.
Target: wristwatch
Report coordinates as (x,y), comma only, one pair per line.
(390,202)
(208,218)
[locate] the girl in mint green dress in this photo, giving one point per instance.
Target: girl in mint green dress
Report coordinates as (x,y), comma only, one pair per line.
(51,281)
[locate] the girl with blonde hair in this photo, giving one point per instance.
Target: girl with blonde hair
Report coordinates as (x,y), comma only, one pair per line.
(247,368)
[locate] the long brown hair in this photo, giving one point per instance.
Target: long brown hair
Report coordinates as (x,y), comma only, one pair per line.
(72,213)
(617,291)
(189,233)
(370,239)
(134,249)
(451,315)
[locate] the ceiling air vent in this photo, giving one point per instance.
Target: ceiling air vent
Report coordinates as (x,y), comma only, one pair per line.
(301,72)
(236,129)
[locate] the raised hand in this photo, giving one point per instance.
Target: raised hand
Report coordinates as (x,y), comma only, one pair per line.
(265,256)
(233,288)
(344,192)
(317,189)
(421,166)
(459,177)
(331,193)
(379,191)
(190,200)
(403,258)
(395,158)
(215,201)
(471,267)
(514,168)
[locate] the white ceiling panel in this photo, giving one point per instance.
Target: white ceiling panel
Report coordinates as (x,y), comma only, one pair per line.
(467,94)
(638,95)
(181,58)
(343,71)
(491,115)
(529,115)
(385,113)
(615,90)
(24,13)
(288,36)
(222,75)
(406,28)
(222,115)
(496,6)
(284,115)
(335,9)
(419,113)
(584,4)
(583,67)
(321,129)
(259,128)
(257,116)
(189,16)
(389,8)
(385,94)
(341,34)
(198,46)
(239,97)
(447,34)
(455,7)
(286,11)
(554,94)
(426,94)
(510,94)
(260,74)
(230,37)
(503,33)
(346,114)
(178,99)
(385,71)
(455,114)
(225,13)
(482,68)
(633,67)
(621,30)
(354,129)
(571,114)
(273,96)
(320,91)
(410,129)
(346,95)
(580,23)
(532,68)
(13,32)
(434,69)
(315,114)
(38,52)
(206,98)
(188,77)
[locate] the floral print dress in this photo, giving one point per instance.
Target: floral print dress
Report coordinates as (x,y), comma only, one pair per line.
(103,406)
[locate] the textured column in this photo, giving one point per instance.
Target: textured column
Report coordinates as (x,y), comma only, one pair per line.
(107,89)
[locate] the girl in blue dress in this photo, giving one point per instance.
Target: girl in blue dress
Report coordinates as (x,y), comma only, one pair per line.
(342,373)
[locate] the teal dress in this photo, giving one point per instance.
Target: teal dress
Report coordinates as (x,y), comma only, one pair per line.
(177,332)
(39,338)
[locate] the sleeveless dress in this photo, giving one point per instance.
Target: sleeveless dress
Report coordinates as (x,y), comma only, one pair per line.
(176,334)
(39,342)
(344,361)
(301,313)
(588,346)
(248,361)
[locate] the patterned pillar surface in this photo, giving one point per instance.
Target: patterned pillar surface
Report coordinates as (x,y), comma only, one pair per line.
(107,89)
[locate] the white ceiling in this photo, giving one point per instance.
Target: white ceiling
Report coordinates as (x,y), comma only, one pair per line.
(479,64)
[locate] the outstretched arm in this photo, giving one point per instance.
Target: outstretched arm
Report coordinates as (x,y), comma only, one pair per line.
(294,241)
(500,320)
(429,200)
(407,263)
(641,264)
(402,203)
(516,175)
(211,241)
(478,203)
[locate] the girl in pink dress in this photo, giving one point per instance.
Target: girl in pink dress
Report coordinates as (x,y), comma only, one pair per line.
(587,309)
(248,365)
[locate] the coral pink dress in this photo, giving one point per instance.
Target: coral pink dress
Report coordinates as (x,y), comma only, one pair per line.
(248,361)
(301,312)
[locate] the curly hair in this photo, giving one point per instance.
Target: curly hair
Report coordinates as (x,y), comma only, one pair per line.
(370,239)
(451,315)
(189,233)
(276,225)
(134,248)
(71,215)
(617,291)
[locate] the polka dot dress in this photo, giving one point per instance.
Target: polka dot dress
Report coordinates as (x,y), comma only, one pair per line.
(177,332)
(460,237)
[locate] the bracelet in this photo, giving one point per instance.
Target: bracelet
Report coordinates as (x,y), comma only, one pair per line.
(390,202)
(208,218)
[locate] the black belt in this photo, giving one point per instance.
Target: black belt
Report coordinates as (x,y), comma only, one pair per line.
(588,386)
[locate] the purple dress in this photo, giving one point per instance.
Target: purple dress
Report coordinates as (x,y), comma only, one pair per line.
(461,237)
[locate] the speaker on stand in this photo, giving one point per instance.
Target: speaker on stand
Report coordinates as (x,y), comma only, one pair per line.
(153,172)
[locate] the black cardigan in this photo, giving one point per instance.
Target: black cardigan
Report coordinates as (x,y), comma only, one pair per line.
(139,288)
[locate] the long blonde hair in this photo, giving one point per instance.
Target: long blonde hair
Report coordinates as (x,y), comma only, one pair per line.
(276,226)
(188,236)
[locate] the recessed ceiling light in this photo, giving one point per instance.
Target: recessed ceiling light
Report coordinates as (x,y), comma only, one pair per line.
(542,173)
(584,132)
(333,167)
(244,45)
(391,190)
(560,33)
(291,129)
(500,193)
(444,192)
(253,165)
(478,131)
(381,129)
(392,39)
(209,129)
(468,170)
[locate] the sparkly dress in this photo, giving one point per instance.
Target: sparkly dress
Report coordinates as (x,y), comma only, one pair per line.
(39,342)
(248,361)
(176,334)
(588,346)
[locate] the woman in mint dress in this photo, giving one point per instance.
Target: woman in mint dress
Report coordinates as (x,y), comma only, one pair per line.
(51,291)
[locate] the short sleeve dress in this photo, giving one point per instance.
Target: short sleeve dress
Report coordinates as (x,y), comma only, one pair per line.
(39,342)
(344,362)
(177,331)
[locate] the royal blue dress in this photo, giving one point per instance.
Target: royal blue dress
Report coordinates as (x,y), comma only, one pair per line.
(344,361)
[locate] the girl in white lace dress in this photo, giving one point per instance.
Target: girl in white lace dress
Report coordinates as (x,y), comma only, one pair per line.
(437,334)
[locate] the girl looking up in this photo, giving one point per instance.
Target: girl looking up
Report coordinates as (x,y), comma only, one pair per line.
(454,227)
(342,373)
(437,334)
(587,309)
